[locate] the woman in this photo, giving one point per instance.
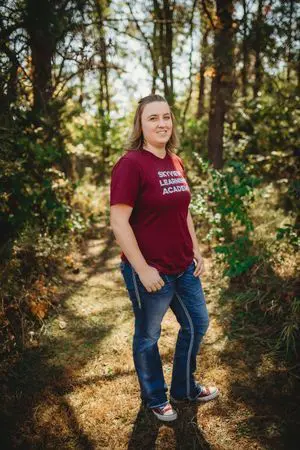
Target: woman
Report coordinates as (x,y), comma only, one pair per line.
(161,261)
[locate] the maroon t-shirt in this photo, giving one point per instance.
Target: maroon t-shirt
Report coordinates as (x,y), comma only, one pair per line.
(157,190)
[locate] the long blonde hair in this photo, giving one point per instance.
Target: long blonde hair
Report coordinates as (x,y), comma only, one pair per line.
(136,139)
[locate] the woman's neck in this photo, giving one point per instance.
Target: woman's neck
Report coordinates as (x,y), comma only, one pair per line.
(158,151)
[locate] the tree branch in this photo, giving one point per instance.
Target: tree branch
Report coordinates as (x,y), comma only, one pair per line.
(203,2)
(145,38)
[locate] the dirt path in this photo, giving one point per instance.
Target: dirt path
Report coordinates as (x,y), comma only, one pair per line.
(78,389)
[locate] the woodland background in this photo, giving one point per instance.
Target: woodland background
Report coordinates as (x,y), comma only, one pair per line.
(72,72)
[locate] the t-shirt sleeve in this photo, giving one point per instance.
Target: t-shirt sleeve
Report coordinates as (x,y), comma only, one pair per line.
(125,182)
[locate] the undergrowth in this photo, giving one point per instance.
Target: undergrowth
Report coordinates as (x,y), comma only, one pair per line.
(264,301)
(32,266)
(254,243)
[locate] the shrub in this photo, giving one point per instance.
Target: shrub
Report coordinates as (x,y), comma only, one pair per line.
(223,200)
(263,132)
(29,284)
(32,189)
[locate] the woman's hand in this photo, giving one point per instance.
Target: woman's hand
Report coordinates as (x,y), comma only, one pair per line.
(151,279)
(199,270)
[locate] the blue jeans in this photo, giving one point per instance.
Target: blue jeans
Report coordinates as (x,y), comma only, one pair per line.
(184,295)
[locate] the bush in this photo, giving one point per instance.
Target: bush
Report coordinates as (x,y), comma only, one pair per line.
(223,200)
(266,298)
(38,225)
(29,284)
(264,132)
(32,190)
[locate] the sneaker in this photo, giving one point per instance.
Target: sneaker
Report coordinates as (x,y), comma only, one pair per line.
(207,393)
(165,413)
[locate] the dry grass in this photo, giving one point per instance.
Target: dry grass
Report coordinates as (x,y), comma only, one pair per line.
(78,389)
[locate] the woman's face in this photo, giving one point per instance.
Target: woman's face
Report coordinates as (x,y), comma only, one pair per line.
(157,123)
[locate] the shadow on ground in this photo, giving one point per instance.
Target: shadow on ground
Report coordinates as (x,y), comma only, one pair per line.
(257,379)
(186,430)
(34,380)
(35,377)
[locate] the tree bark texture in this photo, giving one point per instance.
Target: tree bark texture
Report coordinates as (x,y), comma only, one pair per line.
(203,66)
(11,80)
(39,20)
(222,82)
(245,49)
(258,49)
(104,97)
(164,14)
(290,41)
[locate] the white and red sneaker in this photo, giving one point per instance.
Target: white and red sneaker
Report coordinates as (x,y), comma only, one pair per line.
(207,393)
(165,413)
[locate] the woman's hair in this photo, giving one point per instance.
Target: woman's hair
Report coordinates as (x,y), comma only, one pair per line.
(136,139)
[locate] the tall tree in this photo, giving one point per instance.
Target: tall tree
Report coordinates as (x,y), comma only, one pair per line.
(258,46)
(245,48)
(152,45)
(9,74)
(40,23)
(222,82)
(104,98)
(206,27)
(203,66)
(104,95)
(160,45)
(190,78)
(290,39)
(163,14)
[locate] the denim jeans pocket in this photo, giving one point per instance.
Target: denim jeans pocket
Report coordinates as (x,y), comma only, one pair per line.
(127,273)
(132,279)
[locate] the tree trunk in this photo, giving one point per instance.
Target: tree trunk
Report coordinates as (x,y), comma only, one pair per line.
(104,98)
(257,49)
(216,123)
(222,83)
(153,46)
(10,96)
(154,57)
(168,15)
(165,45)
(203,64)
(298,71)
(290,43)
(43,23)
(39,19)
(245,50)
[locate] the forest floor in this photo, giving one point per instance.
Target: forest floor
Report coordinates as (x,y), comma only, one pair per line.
(76,388)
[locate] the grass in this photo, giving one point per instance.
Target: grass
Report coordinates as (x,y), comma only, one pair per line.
(77,388)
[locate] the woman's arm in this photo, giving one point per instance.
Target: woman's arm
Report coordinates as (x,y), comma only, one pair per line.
(197,255)
(119,220)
